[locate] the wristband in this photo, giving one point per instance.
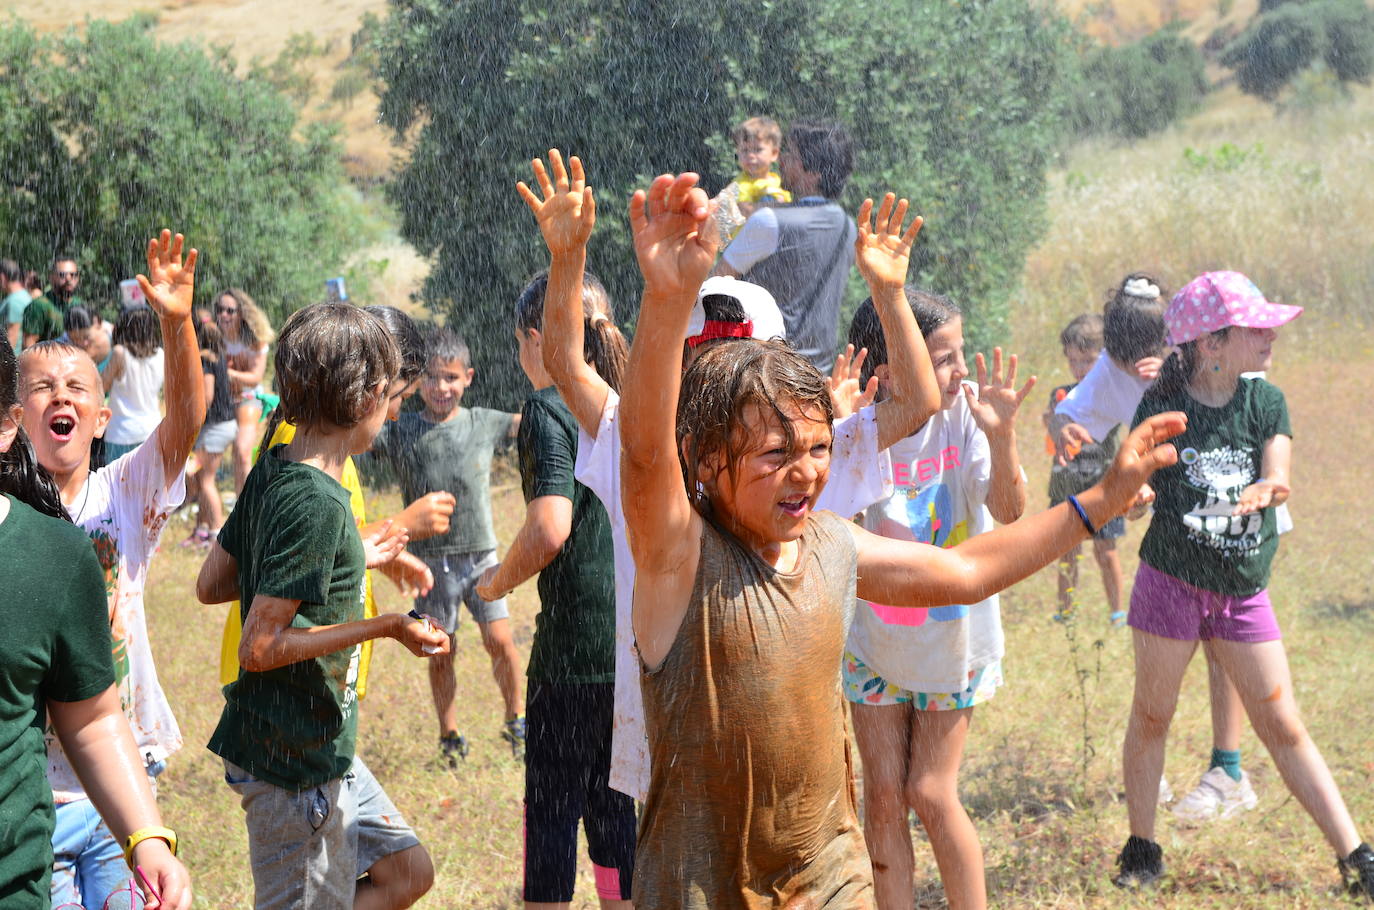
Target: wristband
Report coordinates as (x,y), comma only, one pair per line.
(1083,515)
(142,834)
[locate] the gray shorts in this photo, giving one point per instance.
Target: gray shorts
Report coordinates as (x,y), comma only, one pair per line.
(455,580)
(216,437)
(308,849)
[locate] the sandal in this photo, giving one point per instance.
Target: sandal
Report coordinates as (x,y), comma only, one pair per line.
(199,539)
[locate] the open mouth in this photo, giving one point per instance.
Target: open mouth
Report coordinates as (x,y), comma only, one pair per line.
(62,428)
(794,507)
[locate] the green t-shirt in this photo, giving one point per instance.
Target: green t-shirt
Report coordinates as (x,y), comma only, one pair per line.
(43,319)
(1193,536)
(454,456)
(57,647)
(574,633)
(14,306)
(293,535)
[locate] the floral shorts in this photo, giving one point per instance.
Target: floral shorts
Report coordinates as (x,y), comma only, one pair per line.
(864,687)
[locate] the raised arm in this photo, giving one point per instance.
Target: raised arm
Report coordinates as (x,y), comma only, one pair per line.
(169,287)
(882,253)
(566,215)
(994,409)
(900,573)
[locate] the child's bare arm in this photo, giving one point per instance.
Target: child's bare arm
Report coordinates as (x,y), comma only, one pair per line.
(169,287)
(115,368)
(901,573)
(566,216)
(410,574)
(675,246)
(1272,489)
(218,581)
(270,641)
(994,410)
(548,524)
(882,253)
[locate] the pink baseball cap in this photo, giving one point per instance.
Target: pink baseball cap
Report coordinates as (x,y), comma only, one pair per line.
(1215,300)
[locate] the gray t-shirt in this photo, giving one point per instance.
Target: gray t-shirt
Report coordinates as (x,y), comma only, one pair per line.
(454,456)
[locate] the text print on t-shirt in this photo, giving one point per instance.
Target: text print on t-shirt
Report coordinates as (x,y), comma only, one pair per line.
(928,518)
(1221,474)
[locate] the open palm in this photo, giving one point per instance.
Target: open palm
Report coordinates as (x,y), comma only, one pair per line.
(567,212)
(881,249)
(998,400)
(674,240)
(170,283)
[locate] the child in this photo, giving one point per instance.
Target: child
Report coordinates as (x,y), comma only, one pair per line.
(727,309)
(446,450)
(247,334)
(291,553)
(1205,562)
(133,381)
(123,508)
(1082,344)
(567,540)
(58,660)
(743,595)
(85,329)
(216,435)
(757,142)
(913,677)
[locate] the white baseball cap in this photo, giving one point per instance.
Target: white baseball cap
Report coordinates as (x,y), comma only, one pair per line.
(763,318)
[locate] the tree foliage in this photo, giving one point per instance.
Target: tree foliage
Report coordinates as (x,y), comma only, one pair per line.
(954,104)
(107,136)
(1140,88)
(1287,38)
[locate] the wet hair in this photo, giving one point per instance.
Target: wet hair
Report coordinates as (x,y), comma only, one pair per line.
(21,475)
(1178,369)
(330,359)
(409,342)
(445,345)
(931,310)
(10,270)
(1133,327)
(138,330)
(33,282)
(603,345)
(1083,332)
(825,148)
(210,340)
(757,129)
(726,380)
(76,319)
(254,328)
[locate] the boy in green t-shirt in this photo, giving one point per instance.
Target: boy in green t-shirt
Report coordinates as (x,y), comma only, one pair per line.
(292,555)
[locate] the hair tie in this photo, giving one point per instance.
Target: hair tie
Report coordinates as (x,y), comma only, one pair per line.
(598,318)
(1142,288)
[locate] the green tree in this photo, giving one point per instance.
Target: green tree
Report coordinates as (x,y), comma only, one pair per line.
(107,136)
(1290,37)
(954,104)
(1140,88)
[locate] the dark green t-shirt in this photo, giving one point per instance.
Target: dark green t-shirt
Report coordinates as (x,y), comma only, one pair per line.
(574,633)
(293,535)
(57,647)
(454,456)
(43,319)
(1192,535)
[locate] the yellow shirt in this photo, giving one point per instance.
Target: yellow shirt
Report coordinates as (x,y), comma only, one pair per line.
(768,187)
(233,622)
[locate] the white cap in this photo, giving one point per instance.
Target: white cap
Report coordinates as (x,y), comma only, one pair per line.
(757,303)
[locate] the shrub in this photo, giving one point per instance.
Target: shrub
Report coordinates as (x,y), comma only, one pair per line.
(1140,88)
(1288,38)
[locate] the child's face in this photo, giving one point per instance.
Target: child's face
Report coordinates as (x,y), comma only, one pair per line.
(443,385)
(946,346)
(64,408)
(756,156)
(1080,360)
(773,488)
(1246,350)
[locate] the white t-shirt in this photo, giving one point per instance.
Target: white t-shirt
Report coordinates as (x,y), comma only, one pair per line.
(1107,396)
(123,508)
(134,399)
(941,476)
(860,474)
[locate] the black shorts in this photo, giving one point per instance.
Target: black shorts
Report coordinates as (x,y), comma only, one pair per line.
(567,763)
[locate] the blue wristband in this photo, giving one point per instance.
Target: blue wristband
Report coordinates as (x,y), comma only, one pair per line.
(1083,515)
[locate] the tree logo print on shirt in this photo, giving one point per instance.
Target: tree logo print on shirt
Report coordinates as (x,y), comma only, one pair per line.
(1222,473)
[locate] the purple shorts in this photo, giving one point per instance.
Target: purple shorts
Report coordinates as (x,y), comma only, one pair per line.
(1165,606)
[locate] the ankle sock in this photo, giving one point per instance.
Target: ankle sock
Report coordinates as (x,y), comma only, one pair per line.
(1227,760)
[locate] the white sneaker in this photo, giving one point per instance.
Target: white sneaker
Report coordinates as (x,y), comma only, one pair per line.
(1216,797)
(1166,792)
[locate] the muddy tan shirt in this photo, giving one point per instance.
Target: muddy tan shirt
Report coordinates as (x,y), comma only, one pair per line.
(751,800)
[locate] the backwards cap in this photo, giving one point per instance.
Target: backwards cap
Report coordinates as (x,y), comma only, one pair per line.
(763,319)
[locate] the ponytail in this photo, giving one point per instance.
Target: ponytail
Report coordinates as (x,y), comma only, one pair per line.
(603,345)
(605,349)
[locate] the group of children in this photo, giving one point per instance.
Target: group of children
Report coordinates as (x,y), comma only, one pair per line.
(727,555)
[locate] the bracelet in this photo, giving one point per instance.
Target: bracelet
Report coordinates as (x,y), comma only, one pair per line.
(142,834)
(1082,514)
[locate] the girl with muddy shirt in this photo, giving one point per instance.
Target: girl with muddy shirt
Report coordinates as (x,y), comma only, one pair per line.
(1205,561)
(744,595)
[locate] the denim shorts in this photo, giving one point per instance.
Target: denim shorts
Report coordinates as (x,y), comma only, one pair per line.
(216,437)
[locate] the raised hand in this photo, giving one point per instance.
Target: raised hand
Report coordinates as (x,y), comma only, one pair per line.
(567,211)
(881,250)
(675,241)
(170,283)
(995,406)
(1144,451)
(846,395)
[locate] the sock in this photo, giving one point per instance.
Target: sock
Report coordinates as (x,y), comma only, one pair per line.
(1227,760)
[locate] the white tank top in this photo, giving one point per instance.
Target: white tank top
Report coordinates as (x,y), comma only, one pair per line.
(133,399)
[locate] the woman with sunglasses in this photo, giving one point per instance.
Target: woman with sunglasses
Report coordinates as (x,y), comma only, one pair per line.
(247,333)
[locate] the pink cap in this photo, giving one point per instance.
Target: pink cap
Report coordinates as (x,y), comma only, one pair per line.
(1215,300)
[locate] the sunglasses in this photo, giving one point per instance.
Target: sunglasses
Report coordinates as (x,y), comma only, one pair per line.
(68,274)
(226,309)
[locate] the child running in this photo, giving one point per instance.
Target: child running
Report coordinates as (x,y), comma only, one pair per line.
(744,592)
(321,831)
(726,309)
(1205,562)
(913,677)
(566,539)
(58,660)
(122,508)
